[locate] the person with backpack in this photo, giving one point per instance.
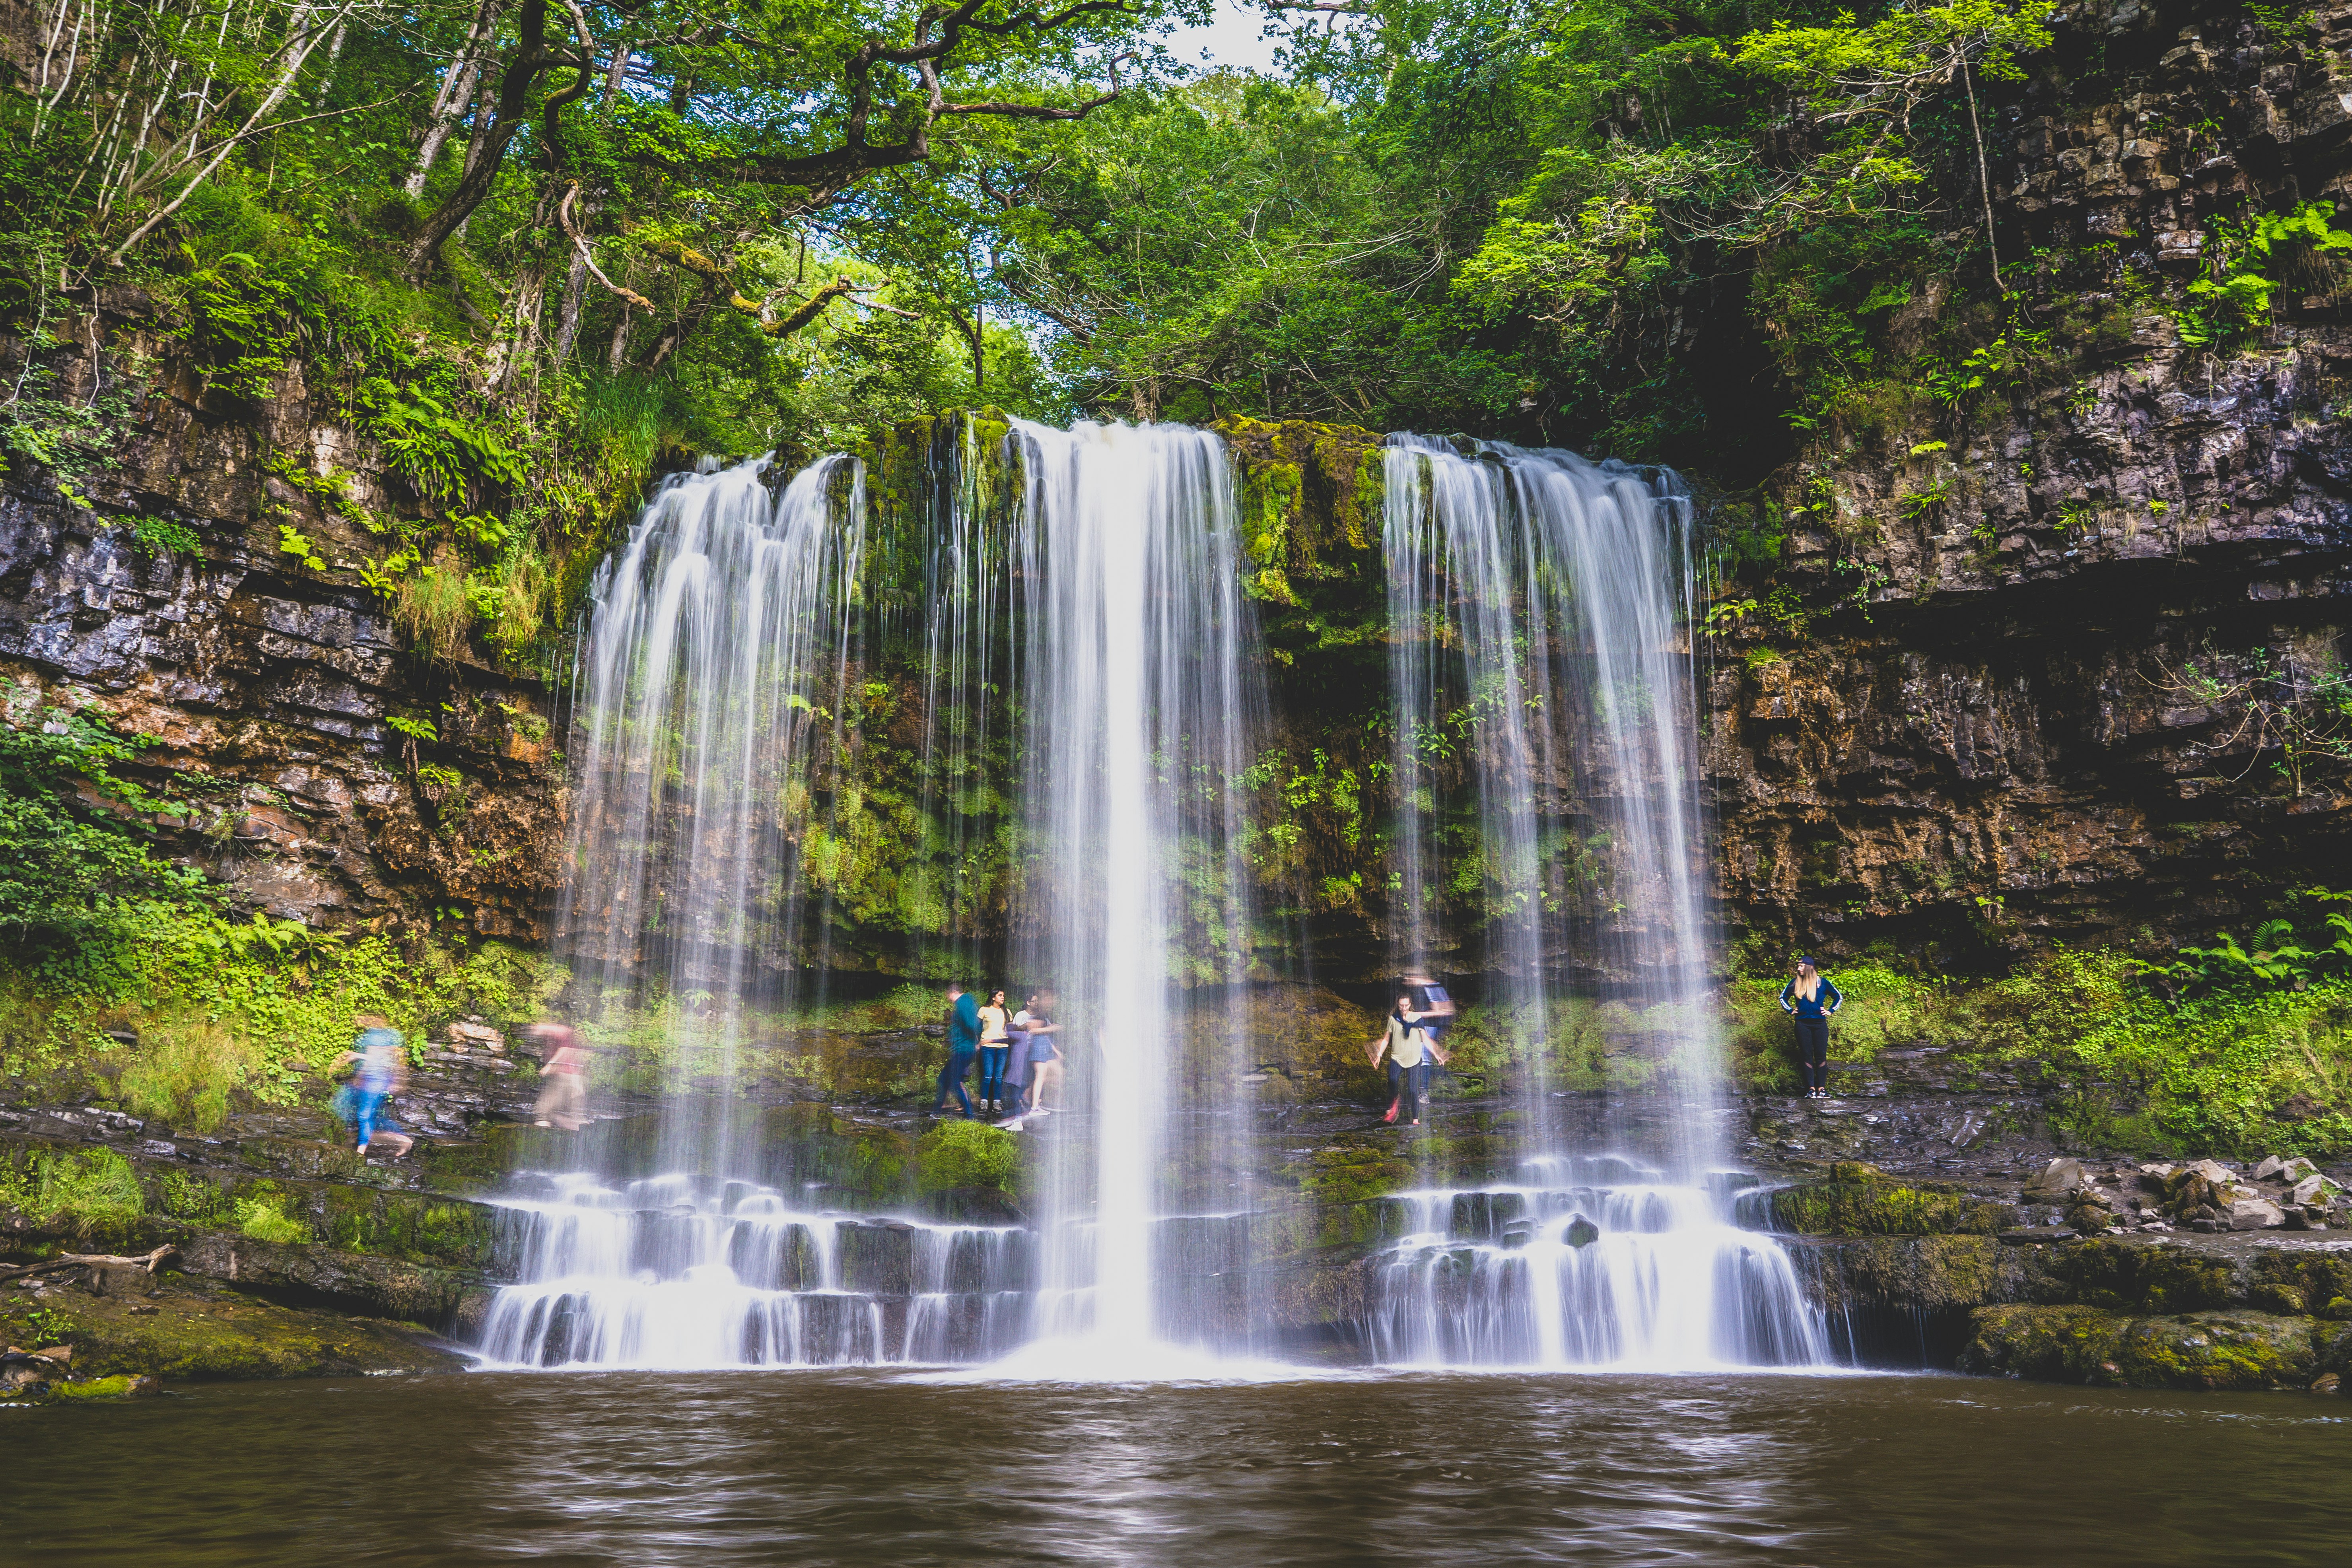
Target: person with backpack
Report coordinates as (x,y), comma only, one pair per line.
(1811,1000)
(964,1045)
(1407,1046)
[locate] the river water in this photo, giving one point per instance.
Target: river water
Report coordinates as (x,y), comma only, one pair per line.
(895,1469)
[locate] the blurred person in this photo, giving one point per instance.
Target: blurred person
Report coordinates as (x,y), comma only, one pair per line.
(564,1098)
(381,1056)
(1045,1053)
(963,1045)
(1434,1010)
(1017,1040)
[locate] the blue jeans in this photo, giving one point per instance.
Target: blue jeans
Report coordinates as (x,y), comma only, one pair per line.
(952,1075)
(992,1059)
(367,1106)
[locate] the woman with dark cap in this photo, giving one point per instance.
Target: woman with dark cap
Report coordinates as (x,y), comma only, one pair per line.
(1812,1001)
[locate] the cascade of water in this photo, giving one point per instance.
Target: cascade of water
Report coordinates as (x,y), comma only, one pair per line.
(1540,669)
(1090,617)
(1140,709)
(724,633)
(678,1271)
(720,635)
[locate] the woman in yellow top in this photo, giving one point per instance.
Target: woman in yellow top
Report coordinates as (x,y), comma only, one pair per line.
(1407,1045)
(995,1047)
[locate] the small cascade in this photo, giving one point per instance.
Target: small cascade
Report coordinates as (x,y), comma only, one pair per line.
(1594,1262)
(677,1272)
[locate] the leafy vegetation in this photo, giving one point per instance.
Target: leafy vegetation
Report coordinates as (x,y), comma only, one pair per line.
(2246,1063)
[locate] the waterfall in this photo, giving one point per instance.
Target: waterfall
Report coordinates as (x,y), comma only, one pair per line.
(1091,698)
(721,635)
(676,1271)
(1103,590)
(1541,674)
(1140,704)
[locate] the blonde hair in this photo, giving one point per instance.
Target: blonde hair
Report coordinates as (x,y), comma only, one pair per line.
(1809,980)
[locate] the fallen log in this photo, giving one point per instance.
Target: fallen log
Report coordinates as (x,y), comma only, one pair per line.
(87,1260)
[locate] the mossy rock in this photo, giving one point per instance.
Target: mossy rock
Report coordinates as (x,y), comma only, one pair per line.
(2233,1350)
(2303,1280)
(121,1385)
(198,1332)
(1916,1272)
(969,1157)
(867,1162)
(1313,500)
(411,1226)
(2133,1276)
(1858,1201)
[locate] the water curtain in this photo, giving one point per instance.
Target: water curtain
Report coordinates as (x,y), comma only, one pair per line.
(1547,789)
(1075,599)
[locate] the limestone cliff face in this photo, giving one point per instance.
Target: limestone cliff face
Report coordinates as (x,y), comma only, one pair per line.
(2020,740)
(267,682)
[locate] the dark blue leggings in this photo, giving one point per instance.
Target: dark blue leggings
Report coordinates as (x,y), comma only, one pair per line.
(993,1060)
(952,1075)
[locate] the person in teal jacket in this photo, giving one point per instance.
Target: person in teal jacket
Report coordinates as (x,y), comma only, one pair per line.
(963,1045)
(1812,1001)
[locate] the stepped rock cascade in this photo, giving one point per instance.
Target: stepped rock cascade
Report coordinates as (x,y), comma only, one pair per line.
(1539,603)
(679,1272)
(1598,1263)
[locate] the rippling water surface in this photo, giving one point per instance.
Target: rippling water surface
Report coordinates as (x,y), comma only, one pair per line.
(804,1469)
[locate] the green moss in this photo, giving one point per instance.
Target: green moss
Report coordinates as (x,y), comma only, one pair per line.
(267,1220)
(411,1226)
(115,1387)
(1857,1202)
(968,1156)
(2091,1345)
(1919,1272)
(2126,1276)
(814,1143)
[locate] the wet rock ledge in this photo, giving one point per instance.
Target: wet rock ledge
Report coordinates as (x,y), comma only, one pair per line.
(2148,1276)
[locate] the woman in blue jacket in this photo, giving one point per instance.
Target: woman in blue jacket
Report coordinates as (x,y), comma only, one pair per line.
(1812,1001)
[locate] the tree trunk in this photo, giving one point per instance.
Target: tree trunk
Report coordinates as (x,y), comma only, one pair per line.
(567,323)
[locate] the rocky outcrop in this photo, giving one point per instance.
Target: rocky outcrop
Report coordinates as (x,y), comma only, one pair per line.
(2086,1345)
(267,683)
(2011,718)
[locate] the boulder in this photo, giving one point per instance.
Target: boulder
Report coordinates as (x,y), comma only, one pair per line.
(465,1035)
(2212,1171)
(2270,1167)
(2190,1350)
(2056,1180)
(2254,1214)
(2297,1169)
(1583,1231)
(2310,1190)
